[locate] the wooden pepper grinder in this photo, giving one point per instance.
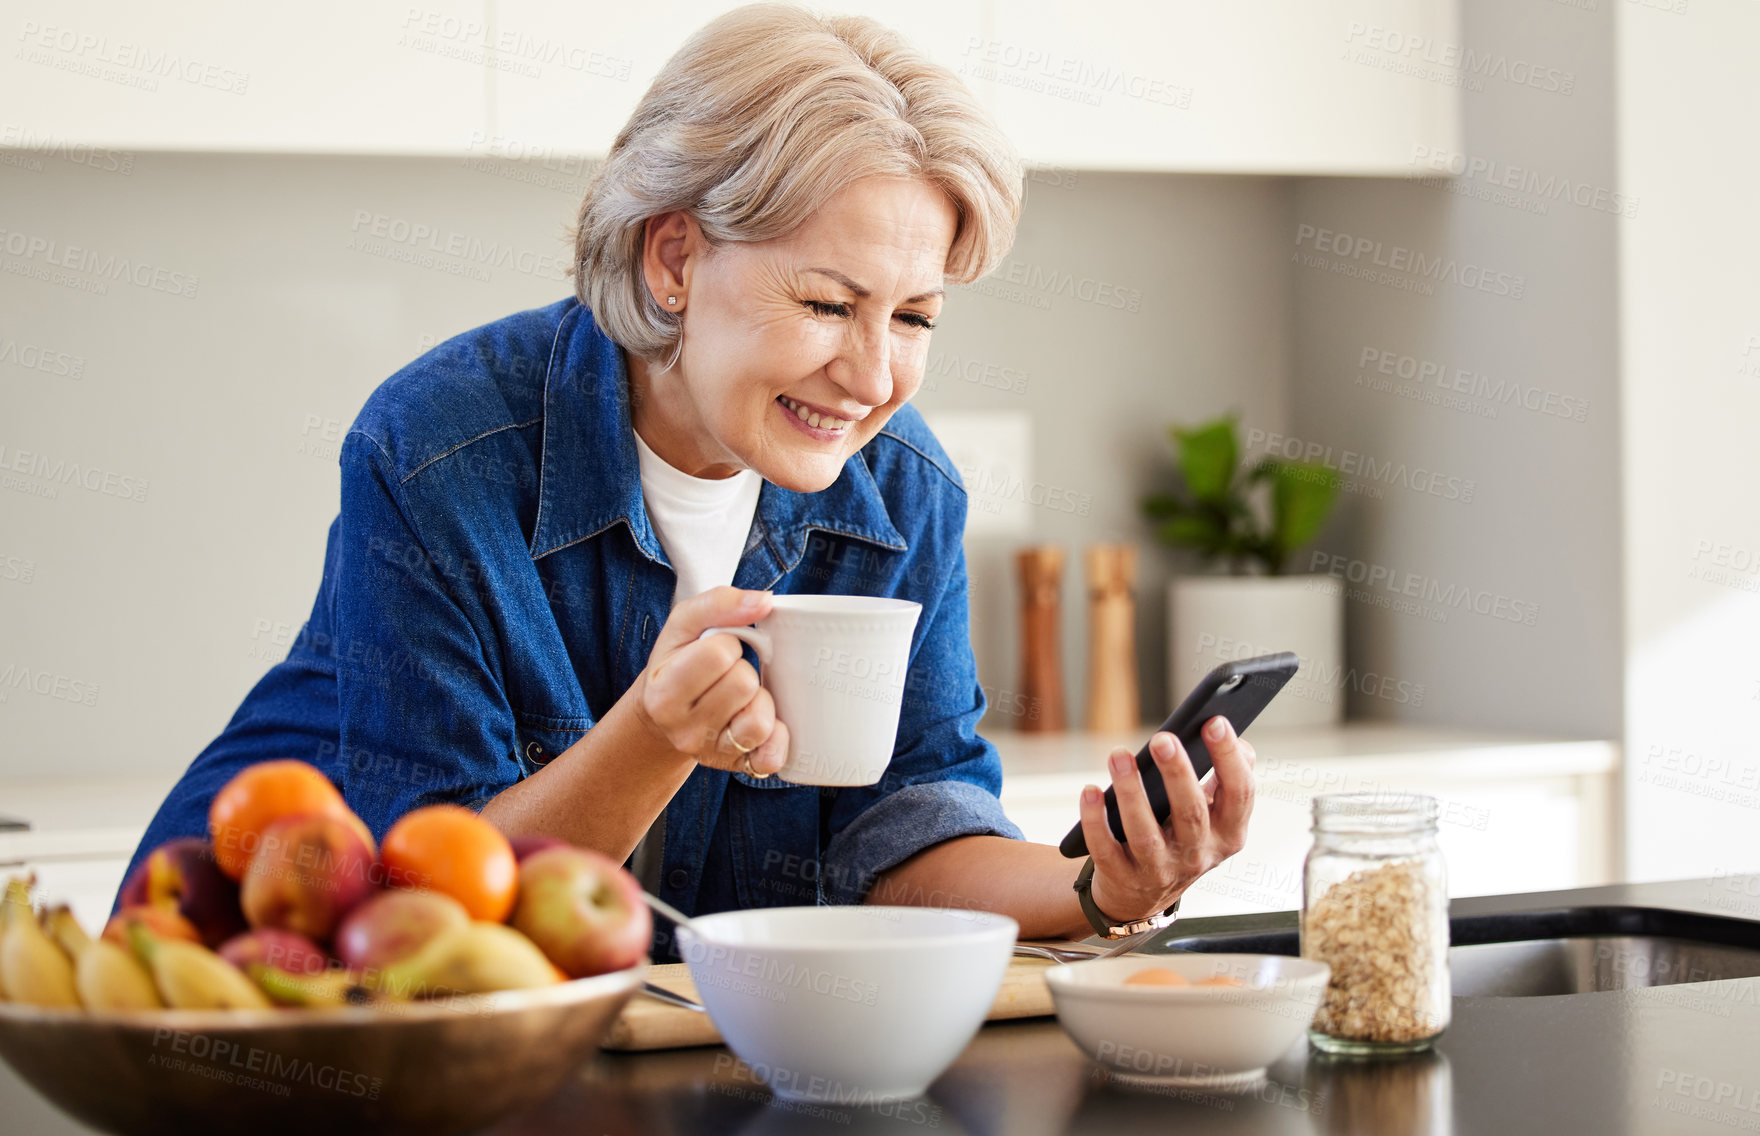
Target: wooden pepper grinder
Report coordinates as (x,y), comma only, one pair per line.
(1112,648)
(1041,572)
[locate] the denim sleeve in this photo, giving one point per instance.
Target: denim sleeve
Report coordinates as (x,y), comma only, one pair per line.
(424,714)
(944,779)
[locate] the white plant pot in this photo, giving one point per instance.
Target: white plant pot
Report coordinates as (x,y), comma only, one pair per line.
(1213,620)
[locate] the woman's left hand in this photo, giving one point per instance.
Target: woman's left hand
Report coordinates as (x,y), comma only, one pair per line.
(1206,825)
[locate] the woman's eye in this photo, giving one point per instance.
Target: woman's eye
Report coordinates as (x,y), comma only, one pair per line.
(917,319)
(827,308)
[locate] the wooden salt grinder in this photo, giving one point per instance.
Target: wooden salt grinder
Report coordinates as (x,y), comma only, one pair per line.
(1112,651)
(1041,573)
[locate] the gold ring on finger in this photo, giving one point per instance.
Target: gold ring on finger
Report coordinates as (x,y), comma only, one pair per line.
(727,731)
(745,760)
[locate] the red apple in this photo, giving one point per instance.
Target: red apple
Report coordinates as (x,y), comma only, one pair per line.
(583,910)
(283,950)
(308,872)
(182,874)
(394,925)
(164,922)
(524,846)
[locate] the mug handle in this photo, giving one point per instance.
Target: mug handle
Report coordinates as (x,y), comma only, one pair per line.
(759,640)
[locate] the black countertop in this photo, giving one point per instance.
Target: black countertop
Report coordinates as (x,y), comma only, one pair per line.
(1670,1060)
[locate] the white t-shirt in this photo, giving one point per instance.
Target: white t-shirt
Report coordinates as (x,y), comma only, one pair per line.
(702,522)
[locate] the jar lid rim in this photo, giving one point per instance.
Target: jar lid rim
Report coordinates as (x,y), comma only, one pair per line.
(1376,808)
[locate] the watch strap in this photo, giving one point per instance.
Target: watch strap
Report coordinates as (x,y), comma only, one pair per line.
(1103,925)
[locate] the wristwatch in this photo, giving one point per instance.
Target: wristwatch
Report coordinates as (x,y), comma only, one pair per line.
(1104,926)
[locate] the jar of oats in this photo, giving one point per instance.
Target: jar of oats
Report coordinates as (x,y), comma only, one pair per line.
(1375,909)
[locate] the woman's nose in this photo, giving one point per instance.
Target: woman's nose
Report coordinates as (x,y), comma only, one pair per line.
(867,368)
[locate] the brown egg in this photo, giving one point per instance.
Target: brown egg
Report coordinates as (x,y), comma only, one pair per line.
(1157,976)
(1218,980)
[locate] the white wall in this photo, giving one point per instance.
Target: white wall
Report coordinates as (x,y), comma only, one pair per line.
(1690,336)
(144,608)
(1484,544)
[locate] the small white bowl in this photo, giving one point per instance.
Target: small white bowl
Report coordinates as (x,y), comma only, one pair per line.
(1213,1037)
(848,1005)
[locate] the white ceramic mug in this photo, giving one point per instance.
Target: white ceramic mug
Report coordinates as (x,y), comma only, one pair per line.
(835,667)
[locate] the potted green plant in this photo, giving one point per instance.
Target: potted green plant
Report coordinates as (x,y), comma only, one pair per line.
(1253,518)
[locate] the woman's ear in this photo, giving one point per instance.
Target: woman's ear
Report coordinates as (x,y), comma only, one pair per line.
(671,243)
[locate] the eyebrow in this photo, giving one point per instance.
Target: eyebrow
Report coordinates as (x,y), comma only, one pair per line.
(863,293)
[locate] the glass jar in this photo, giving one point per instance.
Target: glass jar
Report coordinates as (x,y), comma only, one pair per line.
(1375,909)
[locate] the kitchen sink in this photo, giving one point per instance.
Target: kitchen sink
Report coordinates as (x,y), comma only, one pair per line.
(1578,950)
(1591,963)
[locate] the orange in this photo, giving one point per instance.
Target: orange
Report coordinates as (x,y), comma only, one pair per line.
(258,796)
(450,849)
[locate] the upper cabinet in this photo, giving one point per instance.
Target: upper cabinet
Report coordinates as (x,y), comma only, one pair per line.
(1251,86)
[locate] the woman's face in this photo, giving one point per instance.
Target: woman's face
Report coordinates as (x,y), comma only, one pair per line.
(830,322)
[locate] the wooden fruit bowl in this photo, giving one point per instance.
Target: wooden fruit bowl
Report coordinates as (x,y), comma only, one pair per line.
(439,1066)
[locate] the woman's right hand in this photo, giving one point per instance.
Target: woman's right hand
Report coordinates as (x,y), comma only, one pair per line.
(701,697)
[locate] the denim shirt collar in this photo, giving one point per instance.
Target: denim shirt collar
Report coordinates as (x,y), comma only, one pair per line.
(590,479)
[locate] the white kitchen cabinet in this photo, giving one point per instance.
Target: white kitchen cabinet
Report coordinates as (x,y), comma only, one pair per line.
(1518,814)
(82,833)
(1256,86)
(576,104)
(1261,86)
(325,76)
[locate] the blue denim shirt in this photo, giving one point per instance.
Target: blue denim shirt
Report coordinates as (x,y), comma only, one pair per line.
(492,585)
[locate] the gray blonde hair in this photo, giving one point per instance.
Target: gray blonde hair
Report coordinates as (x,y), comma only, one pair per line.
(763,115)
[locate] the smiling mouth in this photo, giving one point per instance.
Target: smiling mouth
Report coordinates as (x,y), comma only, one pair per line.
(813,418)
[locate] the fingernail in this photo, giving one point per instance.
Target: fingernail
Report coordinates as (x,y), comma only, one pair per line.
(1090,795)
(1217,729)
(1119,763)
(754,600)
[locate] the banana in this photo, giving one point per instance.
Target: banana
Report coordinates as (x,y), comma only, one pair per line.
(191,977)
(106,975)
(36,971)
(476,958)
(109,978)
(331,988)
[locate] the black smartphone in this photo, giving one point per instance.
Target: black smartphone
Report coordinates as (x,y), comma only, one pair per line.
(1238,691)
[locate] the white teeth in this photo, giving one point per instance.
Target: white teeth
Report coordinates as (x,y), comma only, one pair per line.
(813,417)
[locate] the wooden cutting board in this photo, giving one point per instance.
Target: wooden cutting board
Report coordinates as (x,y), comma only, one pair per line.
(647,1023)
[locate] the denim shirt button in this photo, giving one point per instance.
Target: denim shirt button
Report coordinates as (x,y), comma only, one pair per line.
(677,879)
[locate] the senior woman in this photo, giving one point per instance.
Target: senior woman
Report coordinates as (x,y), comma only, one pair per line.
(540,517)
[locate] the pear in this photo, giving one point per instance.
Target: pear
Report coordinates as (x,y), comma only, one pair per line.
(477,958)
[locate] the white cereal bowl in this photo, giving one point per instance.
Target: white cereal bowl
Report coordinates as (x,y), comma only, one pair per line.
(1215,1037)
(848,1005)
